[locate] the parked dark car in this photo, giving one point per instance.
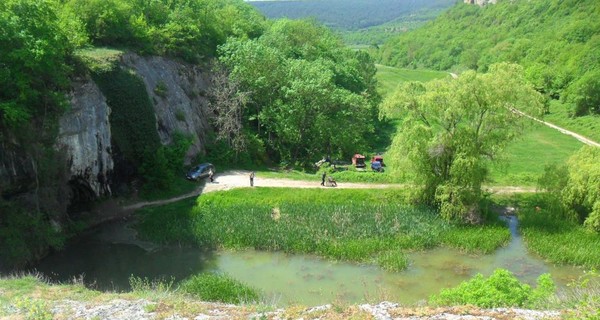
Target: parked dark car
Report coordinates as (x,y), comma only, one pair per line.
(200,171)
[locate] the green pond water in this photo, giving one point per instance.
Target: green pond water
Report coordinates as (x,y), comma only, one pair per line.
(106,258)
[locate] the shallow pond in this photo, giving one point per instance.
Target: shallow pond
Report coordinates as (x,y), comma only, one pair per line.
(108,257)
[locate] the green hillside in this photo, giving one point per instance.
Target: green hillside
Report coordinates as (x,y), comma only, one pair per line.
(359,21)
(557,41)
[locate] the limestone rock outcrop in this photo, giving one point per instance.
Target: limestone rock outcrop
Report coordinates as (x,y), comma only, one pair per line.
(84,133)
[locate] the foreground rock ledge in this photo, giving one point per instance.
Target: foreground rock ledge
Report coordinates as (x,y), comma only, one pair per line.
(145,309)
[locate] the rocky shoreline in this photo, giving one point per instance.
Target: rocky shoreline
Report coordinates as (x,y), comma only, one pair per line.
(145,309)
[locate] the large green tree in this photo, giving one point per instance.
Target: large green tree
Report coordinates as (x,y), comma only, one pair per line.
(454,128)
(33,52)
(309,95)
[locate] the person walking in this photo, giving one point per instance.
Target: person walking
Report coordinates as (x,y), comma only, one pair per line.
(211,175)
(323,178)
(252,175)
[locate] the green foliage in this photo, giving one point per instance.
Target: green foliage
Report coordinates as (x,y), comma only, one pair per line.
(581,195)
(501,289)
(219,288)
(356,225)
(309,94)
(581,298)
(453,129)
(34,48)
(141,285)
(394,260)
(24,235)
(161,89)
(190,30)
(576,186)
(34,309)
(132,117)
(556,239)
(477,239)
(134,128)
(584,94)
(556,41)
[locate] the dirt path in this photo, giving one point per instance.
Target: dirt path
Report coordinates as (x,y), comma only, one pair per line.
(577,136)
(240,179)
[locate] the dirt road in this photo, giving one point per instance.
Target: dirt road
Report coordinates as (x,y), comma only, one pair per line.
(577,136)
(241,179)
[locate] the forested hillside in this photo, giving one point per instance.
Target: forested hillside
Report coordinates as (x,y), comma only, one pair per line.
(557,42)
(360,21)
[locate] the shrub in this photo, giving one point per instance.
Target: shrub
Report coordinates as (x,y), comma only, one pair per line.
(584,94)
(394,260)
(219,288)
(501,289)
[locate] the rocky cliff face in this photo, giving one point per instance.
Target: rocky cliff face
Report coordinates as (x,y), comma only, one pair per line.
(176,90)
(84,138)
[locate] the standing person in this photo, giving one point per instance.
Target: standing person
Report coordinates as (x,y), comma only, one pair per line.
(323,178)
(211,175)
(252,175)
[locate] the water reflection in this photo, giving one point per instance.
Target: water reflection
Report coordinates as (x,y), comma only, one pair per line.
(109,256)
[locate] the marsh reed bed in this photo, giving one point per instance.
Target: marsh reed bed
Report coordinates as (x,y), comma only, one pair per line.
(367,226)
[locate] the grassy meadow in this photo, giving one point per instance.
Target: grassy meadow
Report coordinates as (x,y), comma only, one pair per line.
(367,226)
(526,158)
(389,77)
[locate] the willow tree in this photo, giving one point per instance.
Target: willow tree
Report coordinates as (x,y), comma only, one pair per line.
(453,129)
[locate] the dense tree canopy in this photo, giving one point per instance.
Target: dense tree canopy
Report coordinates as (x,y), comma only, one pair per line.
(34,47)
(310,96)
(189,29)
(576,186)
(556,41)
(452,129)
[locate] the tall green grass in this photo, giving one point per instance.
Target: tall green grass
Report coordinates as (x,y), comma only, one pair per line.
(219,288)
(553,237)
(371,226)
(560,241)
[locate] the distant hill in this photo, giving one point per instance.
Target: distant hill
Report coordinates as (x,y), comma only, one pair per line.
(557,41)
(359,15)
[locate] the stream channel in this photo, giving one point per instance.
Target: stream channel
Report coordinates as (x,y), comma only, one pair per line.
(107,257)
